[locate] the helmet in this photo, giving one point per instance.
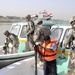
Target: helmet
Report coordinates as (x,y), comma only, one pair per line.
(6,32)
(72,19)
(28,16)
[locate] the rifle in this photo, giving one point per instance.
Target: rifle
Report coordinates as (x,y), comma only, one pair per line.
(5,47)
(35,47)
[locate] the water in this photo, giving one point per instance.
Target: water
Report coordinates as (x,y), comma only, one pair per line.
(3,27)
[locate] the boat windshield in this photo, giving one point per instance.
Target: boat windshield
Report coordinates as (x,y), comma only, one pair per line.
(23,32)
(56,33)
(15,29)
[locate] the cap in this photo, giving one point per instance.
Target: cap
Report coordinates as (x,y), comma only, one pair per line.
(72,19)
(46,38)
(28,16)
(38,20)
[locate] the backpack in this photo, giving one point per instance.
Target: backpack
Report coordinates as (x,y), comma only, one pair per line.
(46,31)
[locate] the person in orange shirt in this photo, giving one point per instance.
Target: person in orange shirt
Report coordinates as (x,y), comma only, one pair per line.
(48,51)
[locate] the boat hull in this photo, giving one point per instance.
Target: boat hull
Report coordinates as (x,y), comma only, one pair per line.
(8,59)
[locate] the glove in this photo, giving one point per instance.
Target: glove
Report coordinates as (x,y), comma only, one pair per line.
(36,47)
(63,51)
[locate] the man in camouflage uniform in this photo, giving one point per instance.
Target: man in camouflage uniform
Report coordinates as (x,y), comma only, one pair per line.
(30,32)
(39,34)
(13,39)
(70,37)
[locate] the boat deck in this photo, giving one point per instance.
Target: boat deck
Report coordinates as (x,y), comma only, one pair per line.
(23,67)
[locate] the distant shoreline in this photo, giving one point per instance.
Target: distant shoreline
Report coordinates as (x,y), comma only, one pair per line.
(10,20)
(18,20)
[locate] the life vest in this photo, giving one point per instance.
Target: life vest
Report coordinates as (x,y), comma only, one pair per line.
(48,55)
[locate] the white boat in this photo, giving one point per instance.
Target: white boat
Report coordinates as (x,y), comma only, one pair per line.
(19,28)
(8,58)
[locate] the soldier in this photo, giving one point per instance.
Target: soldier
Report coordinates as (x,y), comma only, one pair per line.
(39,35)
(13,39)
(70,36)
(30,31)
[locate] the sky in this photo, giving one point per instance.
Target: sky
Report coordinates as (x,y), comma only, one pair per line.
(61,9)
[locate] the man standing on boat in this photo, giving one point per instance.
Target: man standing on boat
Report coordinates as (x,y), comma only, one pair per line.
(48,51)
(39,34)
(30,32)
(70,39)
(13,40)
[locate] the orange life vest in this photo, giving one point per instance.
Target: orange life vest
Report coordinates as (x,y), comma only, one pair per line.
(48,55)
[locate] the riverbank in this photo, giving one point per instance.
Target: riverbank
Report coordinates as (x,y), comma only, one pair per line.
(10,20)
(19,20)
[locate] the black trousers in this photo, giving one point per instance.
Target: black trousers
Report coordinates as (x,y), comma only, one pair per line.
(50,68)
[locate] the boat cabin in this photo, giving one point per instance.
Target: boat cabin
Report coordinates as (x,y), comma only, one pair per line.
(19,29)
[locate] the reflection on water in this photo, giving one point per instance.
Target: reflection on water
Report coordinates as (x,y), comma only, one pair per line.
(3,27)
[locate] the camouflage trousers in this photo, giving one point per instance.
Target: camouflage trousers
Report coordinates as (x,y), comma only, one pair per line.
(72,60)
(71,64)
(29,45)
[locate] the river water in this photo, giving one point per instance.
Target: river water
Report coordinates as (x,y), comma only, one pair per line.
(3,27)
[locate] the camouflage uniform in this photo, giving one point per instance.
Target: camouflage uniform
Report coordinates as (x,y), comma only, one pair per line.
(67,39)
(70,39)
(39,35)
(30,32)
(13,39)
